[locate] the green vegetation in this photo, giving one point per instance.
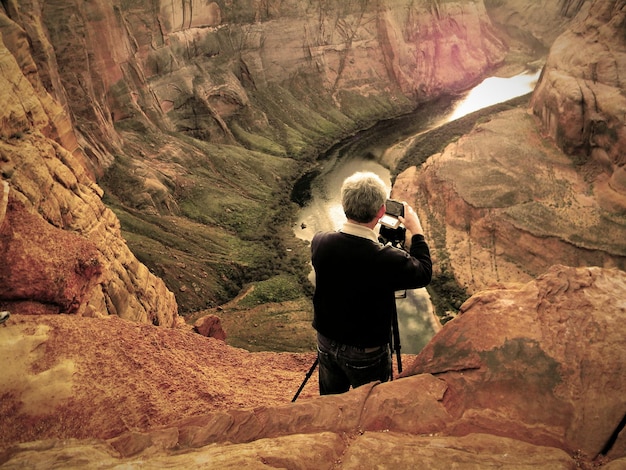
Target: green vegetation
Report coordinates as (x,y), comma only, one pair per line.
(284,326)
(257,142)
(374,108)
(275,289)
(218,224)
(446,295)
(302,130)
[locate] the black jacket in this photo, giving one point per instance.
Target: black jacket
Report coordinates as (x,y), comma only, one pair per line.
(355,284)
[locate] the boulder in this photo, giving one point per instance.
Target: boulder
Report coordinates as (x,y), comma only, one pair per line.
(210,326)
(45,269)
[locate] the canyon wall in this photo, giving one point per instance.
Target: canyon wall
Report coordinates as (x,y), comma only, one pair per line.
(191,119)
(60,248)
(197,67)
(536,24)
(529,188)
(581,102)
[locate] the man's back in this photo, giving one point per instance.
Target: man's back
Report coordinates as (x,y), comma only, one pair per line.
(356,280)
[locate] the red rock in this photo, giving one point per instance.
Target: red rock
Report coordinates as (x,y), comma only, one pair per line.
(50,269)
(540,362)
(210,326)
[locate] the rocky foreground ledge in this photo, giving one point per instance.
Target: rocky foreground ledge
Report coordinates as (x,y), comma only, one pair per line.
(528,375)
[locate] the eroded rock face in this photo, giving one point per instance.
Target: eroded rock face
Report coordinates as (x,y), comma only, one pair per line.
(580,98)
(193,66)
(528,375)
(536,23)
(61,250)
(554,348)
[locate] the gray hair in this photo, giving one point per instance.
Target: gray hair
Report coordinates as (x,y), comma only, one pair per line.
(362,195)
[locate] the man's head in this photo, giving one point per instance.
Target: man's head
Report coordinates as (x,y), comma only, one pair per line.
(362,196)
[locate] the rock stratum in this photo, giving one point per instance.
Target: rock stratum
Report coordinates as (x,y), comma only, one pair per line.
(61,249)
(526,376)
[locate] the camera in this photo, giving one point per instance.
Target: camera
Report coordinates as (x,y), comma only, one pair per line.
(391,231)
(394,209)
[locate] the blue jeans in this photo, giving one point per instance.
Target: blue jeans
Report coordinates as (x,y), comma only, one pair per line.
(342,366)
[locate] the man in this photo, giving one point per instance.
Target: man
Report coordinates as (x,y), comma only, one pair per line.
(355,282)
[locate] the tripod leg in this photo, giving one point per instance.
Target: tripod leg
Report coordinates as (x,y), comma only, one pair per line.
(395,335)
(306,379)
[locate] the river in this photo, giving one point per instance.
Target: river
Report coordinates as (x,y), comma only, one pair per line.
(365,151)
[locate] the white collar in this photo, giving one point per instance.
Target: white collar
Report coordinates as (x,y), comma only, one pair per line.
(357,230)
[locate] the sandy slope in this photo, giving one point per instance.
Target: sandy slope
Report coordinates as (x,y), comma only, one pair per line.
(67,376)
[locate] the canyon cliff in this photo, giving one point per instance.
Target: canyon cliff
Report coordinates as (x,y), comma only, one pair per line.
(541,184)
(61,249)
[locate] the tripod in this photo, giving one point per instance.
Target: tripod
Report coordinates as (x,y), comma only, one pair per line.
(394,341)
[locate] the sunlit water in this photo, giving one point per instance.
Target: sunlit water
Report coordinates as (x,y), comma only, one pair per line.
(494,90)
(417,323)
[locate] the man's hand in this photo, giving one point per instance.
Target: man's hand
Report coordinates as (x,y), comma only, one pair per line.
(411,221)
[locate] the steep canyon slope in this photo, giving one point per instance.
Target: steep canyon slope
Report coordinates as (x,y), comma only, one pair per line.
(61,249)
